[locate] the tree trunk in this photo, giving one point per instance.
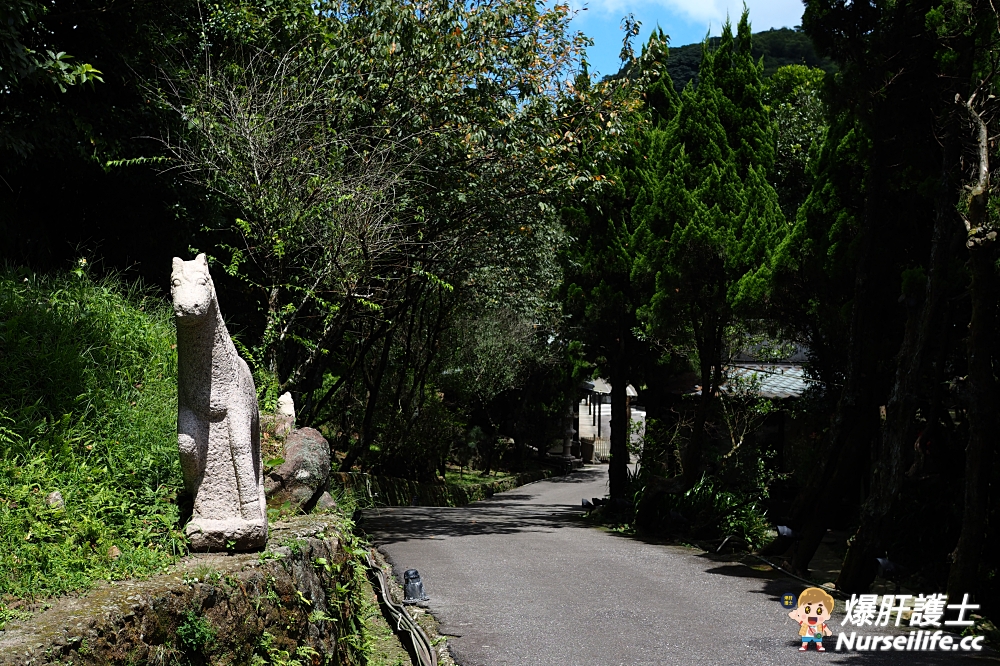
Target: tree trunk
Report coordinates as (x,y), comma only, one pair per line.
(855,421)
(982,404)
(709,341)
(271,353)
(520,439)
(924,329)
(709,355)
(964,575)
(374,387)
(618,467)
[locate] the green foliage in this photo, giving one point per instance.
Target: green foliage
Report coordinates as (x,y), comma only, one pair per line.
(391,176)
(709,218)
(492,357)
(70,141)
(711,509)
(492,353)
(742,412)
(454,478)
(349,607)
(26,55)
(8,614)
(268,389)
(293,544)
(357,603)
(730,498)
(45,107)
(87,408)
(348,501)
(811,272)
(29,59)
(793,95)
(601,293)
(363,192)
(272,654)
(195,632)
(708,221)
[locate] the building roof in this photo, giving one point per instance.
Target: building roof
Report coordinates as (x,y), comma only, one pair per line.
(776,381)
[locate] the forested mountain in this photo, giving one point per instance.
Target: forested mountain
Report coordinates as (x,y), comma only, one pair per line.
(780,47)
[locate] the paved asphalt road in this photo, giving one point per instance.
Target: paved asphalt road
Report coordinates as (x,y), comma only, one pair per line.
(520,579)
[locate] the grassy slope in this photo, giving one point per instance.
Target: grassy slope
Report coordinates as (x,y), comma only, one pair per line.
(87,408)
(468,477)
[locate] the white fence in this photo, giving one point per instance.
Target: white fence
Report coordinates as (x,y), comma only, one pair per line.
(602,449)
(591,424)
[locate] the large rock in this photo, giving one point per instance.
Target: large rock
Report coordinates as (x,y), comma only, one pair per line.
(218,424)
(301,479)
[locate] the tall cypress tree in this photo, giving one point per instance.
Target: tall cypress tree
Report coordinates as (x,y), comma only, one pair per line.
(601,304)
(602,290)
(882,214)
(708,217)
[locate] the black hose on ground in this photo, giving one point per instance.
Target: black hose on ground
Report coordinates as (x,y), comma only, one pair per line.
(421,644)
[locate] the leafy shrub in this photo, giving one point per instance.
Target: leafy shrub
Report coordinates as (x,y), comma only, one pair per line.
(195,633)
(710,511)
(87,408)
(729,499)
(414,444)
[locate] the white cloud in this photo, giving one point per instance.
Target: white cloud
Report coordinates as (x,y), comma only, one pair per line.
(700,11)
(764,14)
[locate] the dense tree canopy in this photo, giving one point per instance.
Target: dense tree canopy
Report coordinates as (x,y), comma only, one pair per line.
(708,215)
(429,223)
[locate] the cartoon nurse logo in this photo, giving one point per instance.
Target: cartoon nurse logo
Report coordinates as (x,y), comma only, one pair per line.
(814,608)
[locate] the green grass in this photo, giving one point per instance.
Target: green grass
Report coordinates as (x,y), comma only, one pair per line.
(384,647)
(456,477)
(87,408)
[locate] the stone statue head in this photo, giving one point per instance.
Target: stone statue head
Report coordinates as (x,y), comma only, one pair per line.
(191,288)
(286,405)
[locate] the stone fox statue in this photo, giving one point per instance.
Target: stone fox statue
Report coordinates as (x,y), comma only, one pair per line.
(218,424)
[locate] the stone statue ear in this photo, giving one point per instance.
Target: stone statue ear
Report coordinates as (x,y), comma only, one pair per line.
(202,259)
(178,263)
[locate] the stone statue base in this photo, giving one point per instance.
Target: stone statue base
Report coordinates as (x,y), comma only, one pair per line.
(228,534)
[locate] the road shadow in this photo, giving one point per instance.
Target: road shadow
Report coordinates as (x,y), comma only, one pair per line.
(586,475)
(773,584)
(394,524)
(511,512)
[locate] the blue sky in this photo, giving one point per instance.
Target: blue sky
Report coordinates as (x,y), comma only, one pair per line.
(686,21)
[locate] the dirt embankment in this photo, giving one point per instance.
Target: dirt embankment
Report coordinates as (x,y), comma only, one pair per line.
(298,599)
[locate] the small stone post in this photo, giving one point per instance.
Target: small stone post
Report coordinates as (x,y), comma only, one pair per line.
(568,434)
(575,449)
